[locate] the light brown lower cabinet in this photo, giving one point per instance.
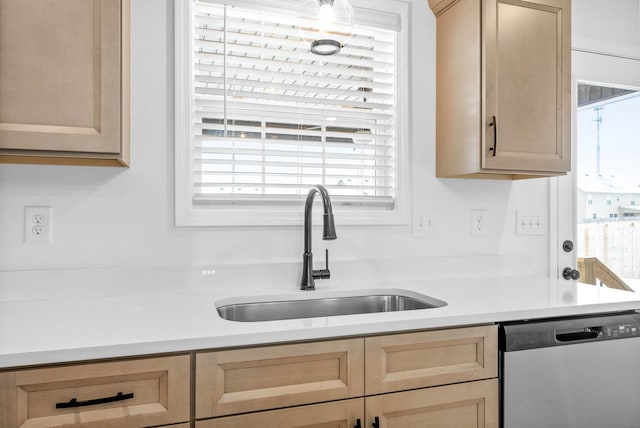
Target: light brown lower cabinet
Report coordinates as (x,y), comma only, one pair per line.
(119,394)
(337,414)
(440,378)
(462,405)
(398,362)
(270,377)
(470,404)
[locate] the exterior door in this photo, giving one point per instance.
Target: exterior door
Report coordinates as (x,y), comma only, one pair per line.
(603,70)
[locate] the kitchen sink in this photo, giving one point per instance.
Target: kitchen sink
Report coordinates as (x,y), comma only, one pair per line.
(272,308)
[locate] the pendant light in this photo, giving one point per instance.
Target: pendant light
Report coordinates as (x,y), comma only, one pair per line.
(335,19)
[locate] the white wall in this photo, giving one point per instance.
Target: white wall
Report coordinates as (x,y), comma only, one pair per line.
(124,217)
(604,26)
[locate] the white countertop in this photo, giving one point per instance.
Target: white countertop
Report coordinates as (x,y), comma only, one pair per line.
(54,316)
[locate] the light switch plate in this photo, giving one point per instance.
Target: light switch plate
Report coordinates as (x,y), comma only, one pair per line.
(530,223)
(478,222)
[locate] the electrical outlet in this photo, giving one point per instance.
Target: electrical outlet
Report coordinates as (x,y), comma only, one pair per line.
(38,225)
(422,225)
(478,223)
(530,223)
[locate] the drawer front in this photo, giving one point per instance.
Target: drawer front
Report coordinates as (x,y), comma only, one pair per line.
(246,380)
(338,414)
(123,394)
(415,360)
(464,405)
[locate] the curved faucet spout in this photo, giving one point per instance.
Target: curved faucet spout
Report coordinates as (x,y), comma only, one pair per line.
(328,233)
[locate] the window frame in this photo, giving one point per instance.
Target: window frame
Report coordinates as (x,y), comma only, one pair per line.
(188,213)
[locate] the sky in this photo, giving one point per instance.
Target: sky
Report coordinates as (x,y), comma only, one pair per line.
(619,139)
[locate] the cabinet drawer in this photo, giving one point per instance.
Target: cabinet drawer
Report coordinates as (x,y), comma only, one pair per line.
(415,360)
(122,394)
(246,380)
(338,414)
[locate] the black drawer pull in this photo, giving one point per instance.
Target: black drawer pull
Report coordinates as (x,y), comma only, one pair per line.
(75,403)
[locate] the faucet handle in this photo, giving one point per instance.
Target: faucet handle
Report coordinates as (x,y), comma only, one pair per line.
(323,273)
(326,259)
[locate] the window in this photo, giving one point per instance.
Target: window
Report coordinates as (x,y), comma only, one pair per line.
(260,119)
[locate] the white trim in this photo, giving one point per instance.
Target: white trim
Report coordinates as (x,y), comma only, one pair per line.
(183,112)
(188,214)
(553,227)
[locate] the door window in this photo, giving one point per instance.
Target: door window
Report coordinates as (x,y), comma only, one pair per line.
(608,183)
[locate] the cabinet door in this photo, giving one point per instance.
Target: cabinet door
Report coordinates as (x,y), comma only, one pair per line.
(64,81)
(270,377)
(415,360)
(465,405)
(339,414)
(527,118)
(120,394)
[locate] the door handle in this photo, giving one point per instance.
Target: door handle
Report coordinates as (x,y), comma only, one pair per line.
(568,273)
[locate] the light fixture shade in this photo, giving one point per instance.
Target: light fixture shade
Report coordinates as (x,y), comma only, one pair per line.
(333,25)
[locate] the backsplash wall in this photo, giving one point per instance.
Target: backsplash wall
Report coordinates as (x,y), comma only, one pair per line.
(124,217)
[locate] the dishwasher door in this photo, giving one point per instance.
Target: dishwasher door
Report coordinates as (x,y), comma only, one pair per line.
(580,372)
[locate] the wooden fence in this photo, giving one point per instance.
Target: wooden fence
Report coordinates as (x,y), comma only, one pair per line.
(616,244)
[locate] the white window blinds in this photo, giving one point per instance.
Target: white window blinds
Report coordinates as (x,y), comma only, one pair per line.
(271,119)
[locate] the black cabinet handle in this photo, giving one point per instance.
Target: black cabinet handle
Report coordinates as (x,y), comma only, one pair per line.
(357,425)
(75,403)
(494,123)
(376,422)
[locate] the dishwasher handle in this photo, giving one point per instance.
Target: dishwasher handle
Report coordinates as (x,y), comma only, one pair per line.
(588,333)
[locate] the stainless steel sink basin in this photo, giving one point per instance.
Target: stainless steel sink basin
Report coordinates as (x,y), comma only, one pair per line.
(361,302)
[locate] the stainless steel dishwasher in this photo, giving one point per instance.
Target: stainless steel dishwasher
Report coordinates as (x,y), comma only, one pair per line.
(573,372)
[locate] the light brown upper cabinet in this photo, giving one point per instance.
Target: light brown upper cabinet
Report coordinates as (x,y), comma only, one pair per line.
(503,71)
(64,82)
